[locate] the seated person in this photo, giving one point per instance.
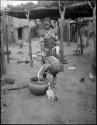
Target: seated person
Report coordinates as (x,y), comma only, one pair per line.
(49,41)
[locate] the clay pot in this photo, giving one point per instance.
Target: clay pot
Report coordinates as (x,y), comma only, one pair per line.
(38,87)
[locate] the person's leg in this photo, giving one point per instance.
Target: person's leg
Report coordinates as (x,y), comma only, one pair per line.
(54,80)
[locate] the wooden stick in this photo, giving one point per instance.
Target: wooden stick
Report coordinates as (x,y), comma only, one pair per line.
(15,88)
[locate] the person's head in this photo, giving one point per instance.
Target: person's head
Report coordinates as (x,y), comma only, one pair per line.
(47,23)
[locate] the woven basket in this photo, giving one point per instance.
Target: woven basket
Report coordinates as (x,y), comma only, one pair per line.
(38,88)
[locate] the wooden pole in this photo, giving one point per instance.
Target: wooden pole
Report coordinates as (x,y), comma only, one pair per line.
(29,40)
(81,42)
(6,40)
(94,28)
(2,56)
(6,37)
(58,29)
(69,34)
(61,35)
(94,24)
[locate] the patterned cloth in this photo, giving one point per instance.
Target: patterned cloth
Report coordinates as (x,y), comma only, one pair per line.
(49,40)
(50,34)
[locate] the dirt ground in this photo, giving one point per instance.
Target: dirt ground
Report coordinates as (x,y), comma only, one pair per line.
(76,100)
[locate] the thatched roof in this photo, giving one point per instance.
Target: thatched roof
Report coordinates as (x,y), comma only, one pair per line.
(75,11)
(79,10)
(38,13)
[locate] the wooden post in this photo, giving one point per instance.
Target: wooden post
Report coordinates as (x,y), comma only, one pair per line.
(58,29)
(6,41)
(6,37)
(2,56)
(81,40)
(61,35)
(94,28)
(29,40)
(69,34)
(94,24)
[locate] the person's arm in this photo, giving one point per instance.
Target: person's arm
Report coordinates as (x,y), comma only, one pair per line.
(42,43)
(57,47)
(41,40)
(42,70)
(56,39)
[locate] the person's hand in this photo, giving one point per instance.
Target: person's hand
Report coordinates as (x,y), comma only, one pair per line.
(57,49)
(39,78)
(42,47)
(58,55)
(56,37)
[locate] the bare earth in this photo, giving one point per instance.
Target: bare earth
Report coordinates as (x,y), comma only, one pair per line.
(76,100)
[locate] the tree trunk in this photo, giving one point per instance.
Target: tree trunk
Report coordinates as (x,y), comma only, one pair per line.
(62,38)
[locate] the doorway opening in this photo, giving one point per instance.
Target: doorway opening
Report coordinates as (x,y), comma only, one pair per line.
(20,33)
